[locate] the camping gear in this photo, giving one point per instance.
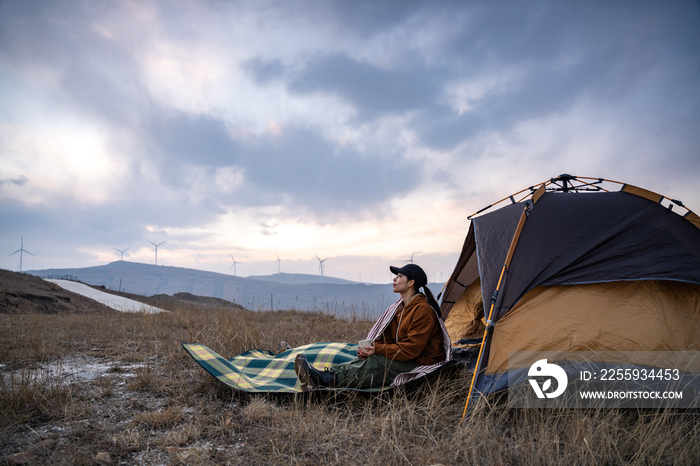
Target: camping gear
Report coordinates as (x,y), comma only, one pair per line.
(265,371)
(261,371)
(574,266)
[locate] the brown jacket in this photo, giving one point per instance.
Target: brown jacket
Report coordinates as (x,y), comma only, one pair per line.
(419,335)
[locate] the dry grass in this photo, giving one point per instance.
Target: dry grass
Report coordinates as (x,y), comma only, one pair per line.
(154,405)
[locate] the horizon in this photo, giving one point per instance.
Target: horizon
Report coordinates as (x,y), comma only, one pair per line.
(32,271)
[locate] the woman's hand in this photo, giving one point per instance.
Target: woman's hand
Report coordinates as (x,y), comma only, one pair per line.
(365,352)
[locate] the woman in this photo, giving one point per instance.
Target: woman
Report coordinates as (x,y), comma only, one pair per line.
(409,334)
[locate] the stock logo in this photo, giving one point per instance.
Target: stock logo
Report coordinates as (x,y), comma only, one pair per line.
(542,369)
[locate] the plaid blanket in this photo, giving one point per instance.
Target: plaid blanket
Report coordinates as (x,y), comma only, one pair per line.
(260,371)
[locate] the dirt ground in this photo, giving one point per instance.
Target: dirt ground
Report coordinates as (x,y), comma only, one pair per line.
(101,392)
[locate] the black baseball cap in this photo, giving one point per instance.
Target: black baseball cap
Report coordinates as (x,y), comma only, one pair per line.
(412,272)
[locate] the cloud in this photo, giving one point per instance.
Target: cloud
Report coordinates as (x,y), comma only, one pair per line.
(291,165)
(63,49)
(117,220)
(199,139)
(21,181)
(563,55)
(371,90)
(264,72)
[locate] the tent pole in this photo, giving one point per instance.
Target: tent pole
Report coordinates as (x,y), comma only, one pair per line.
(489,322)
(481,348)
(547,183)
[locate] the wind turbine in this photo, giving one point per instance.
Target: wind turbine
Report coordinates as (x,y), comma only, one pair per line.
(20,251)
(411,259)
(234,265)
(121,252)
(320,265)
(156,245)
(278,262)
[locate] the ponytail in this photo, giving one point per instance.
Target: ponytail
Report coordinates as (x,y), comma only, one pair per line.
(431,300)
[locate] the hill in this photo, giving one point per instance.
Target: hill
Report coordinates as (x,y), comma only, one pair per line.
(21,293)
(251,293)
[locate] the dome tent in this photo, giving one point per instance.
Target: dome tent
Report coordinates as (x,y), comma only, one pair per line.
(575,266)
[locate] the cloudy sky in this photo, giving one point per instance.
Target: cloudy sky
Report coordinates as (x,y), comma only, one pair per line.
(362,131)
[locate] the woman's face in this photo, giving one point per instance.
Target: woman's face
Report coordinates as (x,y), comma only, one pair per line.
(401,283)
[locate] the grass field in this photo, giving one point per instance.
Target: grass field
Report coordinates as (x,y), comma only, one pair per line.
(87,387)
